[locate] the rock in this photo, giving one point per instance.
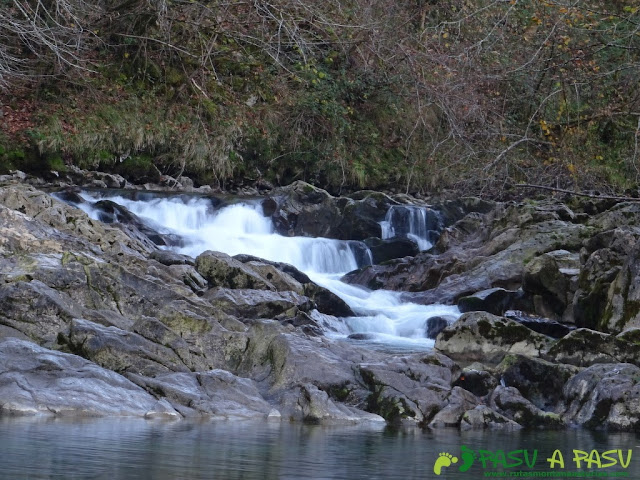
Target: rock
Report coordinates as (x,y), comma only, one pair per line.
(404,391)
(547,327)
(584,347)
(362,336)
(326,301)
(248,303)
(537,380)
(122,351)
(383,250)
(220,270)
(434,325)
(483,417)
(604,396)
(305,210)
(362,214)
(167,257)
(623,298)
(549,276)
(603,257)
(280,280)
(215,393)
(480,336)
(509,402)
(111,212)
(309,404)
(459,402)
(476,379)
(34,380)
(492,300)
(190,277)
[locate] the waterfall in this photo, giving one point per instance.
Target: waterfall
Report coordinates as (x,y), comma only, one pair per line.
(243,228)
(416,223)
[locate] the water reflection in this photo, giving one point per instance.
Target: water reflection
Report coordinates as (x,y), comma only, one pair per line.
(138,449)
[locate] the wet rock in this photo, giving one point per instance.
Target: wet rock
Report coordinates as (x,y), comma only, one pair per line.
(408,391)
(384,250)
(305,210)
(326,301)
(537,380)
(434,325)
(34,380)
(604,396)
(362,214)
(492,300)
(309,404)
(362,336)
(483,337)
(509,402)
(550,328)
(220,270)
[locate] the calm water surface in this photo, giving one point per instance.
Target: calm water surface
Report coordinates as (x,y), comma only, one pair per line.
(139,449)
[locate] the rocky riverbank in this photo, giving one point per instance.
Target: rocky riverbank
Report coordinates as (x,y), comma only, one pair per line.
(96,320)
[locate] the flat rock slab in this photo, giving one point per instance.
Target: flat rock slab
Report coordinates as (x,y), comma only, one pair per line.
(35,380)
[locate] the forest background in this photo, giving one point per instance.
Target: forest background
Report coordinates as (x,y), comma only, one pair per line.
(416,96)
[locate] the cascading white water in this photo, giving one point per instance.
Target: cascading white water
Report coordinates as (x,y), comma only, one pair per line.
(407,220)
(242,228)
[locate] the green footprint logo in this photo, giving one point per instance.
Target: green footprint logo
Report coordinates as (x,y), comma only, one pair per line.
(468,457)
(444,460)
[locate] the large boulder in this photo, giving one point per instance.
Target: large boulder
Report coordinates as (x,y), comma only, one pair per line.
(623,298)
(537,380)
(305,210)
(603,258)
(509,402)
(483,337)
(604,396)
(384,250)
(548,279)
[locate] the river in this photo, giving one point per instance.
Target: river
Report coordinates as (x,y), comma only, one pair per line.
(110,449)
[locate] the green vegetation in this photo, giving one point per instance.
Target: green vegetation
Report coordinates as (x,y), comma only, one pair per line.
(344,93)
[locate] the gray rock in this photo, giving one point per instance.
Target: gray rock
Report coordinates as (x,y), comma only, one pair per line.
(309,404)
(509,402)
(34,380)
(483,417)
(604,396)
(220,270)
(248,303)
(584,347)
(434,325)
(215,393)
(537,380)
(384,250)
(476,379)
(492,300)
(480,336)
(459,402)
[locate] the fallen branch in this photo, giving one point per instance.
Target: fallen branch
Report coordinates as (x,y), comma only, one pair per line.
(578,194)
